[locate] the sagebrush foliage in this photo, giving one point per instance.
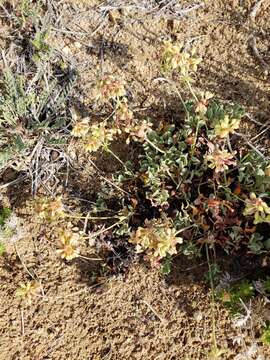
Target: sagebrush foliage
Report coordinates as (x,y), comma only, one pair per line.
(29,108)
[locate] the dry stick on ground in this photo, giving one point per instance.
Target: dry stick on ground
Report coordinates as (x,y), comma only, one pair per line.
(252,146)
(75,293)
(14,182)
(22,322)
(254,120)
(35,164)
(23,264)
(256,7)
(261,133)
(168,10)
(181,13)
(252,43)
(153,310)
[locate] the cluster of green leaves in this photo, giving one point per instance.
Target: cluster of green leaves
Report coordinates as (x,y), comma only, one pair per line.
(4,215)
(265,338)
(27,10)
(26,110)
(181,159)
(232,295)
(252,173)
(240,291)
(222,201)
(42,50)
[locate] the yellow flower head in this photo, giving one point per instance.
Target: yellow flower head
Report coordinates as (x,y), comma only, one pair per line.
(158,239)
(257,207)
(99,136)
(49,209)
(175,58)
(28,290)
(81,128)
(111,88)
(226,126)
(68,244)
(219,160)
(201,106)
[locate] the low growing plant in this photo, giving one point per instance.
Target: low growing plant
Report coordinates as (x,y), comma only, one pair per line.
(191,170)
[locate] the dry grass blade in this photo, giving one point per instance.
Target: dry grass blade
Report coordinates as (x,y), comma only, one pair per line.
(168,9)
(260,133)
(153,310)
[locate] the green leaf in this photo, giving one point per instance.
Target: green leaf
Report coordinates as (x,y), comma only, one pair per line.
(267,244)
(265,338)
(166,265)
(4,215)
(2,248)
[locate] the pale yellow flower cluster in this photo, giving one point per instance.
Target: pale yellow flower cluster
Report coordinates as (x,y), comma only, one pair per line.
(28,291)
(219,160)
(110,88)
(257,207)
(68,244)
(226,126)
(81,128)
(203,100)
(157,239)
(49,209)
(99,136)
(175,58)
(94,136)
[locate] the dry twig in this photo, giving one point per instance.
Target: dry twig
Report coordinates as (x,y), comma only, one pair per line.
(252,146)
(168,9)
(22,322)
(252,42)
(153,310)
(256,7)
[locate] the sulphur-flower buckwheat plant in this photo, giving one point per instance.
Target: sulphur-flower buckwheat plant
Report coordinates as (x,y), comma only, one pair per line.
(99,136)
(175,58)
(111,88)
(49,209)
(81,128)
(68,242)
(219,160)
(157,239)
(257,207)
(226,126)
(123,115)
(28,291)
(202,104)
